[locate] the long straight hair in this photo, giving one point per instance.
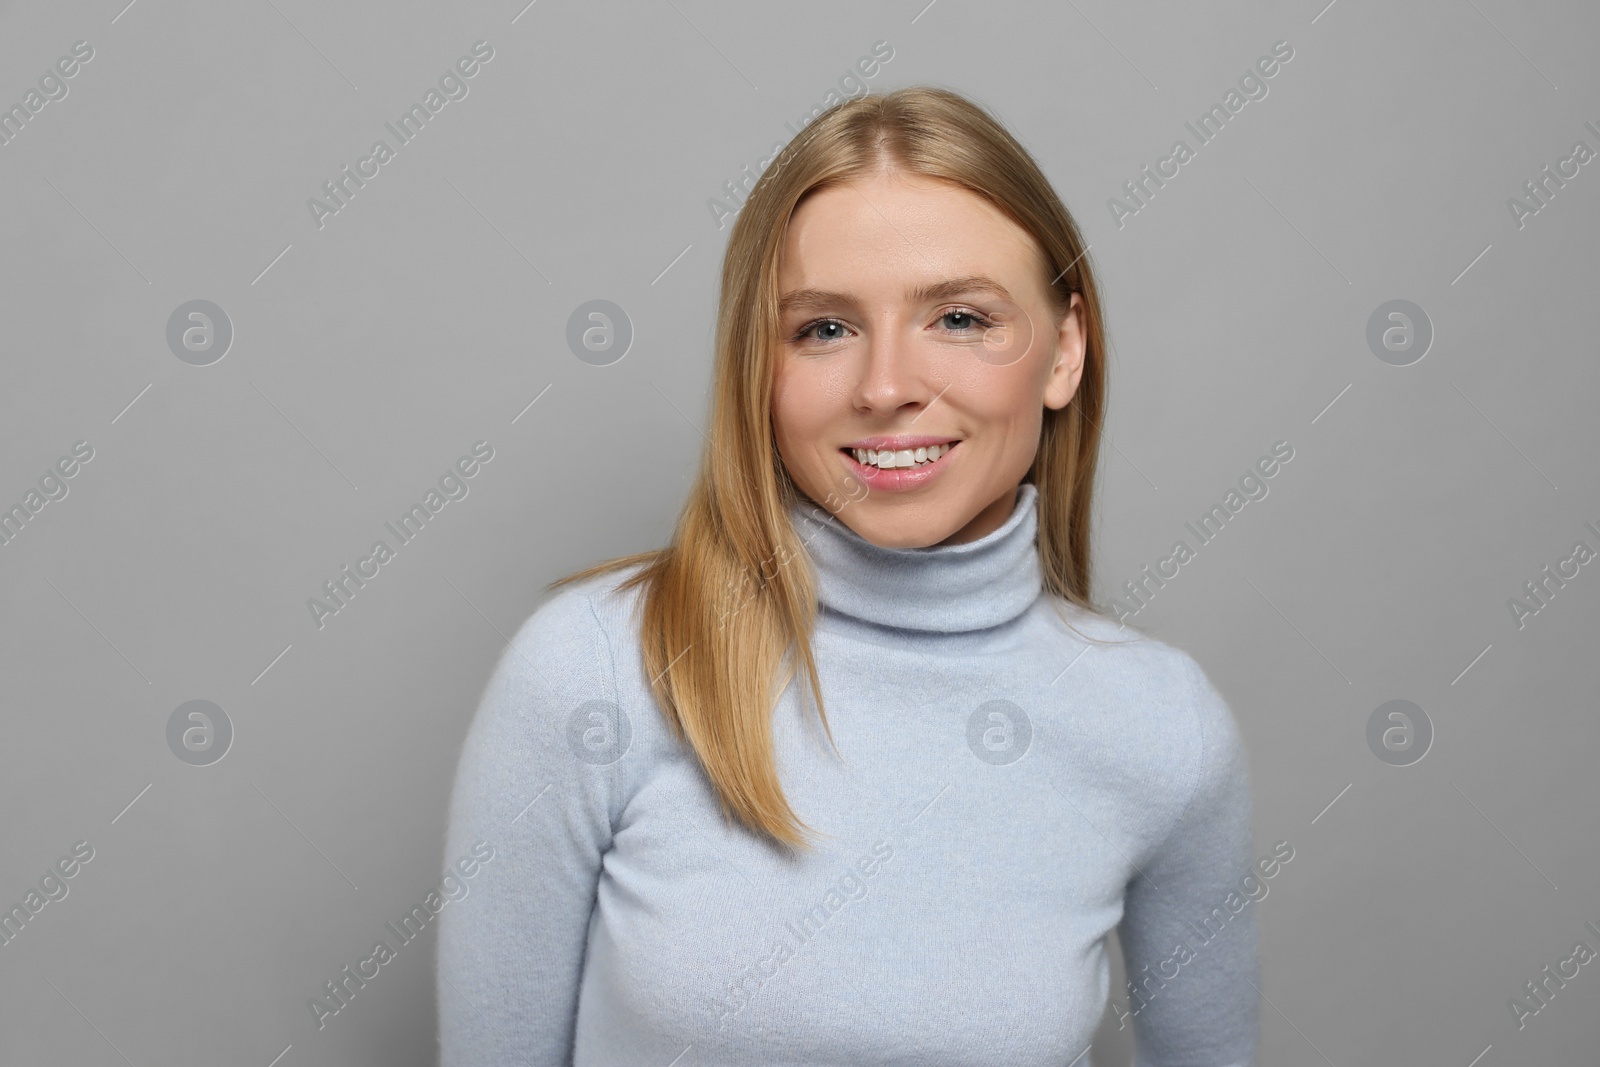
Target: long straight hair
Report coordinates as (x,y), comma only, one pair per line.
(730,600)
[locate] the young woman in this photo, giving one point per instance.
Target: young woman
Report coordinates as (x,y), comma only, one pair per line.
(912,850)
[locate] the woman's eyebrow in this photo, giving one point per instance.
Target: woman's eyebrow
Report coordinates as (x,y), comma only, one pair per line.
(819,299)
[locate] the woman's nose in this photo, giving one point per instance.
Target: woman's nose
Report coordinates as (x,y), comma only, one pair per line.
(893,372)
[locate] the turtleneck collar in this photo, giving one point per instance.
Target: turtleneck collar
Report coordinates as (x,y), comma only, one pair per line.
(939,589)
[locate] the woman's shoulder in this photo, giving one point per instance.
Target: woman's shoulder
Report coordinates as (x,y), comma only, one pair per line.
(1119,645)
(1148,715)
(1158,677)
(578,617)
(550,713)
(554,688)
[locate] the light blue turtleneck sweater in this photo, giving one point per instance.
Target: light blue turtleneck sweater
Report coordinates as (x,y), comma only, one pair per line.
(1009,794)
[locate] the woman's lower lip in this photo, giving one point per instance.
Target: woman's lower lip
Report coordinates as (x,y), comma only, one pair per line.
(900,478)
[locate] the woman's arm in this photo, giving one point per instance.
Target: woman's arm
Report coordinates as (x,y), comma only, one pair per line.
(511,953)
(1188,931)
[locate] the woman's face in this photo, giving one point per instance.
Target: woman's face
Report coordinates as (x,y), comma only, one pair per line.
(912,310)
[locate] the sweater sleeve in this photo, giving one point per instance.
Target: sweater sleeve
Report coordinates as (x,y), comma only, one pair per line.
(1189,931)
(536,780)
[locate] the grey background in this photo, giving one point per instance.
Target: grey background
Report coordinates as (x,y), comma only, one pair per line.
(369,354)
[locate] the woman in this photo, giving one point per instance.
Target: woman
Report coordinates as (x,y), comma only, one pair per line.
(896,495)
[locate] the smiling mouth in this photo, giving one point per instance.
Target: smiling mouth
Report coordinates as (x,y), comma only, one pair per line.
(904,459)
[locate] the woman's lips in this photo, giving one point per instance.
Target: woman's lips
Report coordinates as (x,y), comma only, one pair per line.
(899,478)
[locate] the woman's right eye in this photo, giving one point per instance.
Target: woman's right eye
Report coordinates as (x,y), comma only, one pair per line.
(805,332)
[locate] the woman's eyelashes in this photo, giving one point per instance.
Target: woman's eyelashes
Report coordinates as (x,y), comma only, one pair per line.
(967,323)
(803,333)
(974,320)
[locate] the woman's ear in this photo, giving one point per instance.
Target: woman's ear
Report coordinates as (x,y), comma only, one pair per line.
(1068,369)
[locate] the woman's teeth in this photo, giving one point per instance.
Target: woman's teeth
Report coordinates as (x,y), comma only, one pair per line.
(887,460)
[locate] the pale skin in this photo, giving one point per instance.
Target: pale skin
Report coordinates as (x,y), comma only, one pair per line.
(866,356)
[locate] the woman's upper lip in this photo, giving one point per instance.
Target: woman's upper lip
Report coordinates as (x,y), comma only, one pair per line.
(899,444)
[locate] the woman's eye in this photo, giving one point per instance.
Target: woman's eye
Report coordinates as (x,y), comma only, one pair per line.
(809,331)
(965,321)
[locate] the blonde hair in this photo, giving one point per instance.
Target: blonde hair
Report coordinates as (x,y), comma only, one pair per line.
(717,683)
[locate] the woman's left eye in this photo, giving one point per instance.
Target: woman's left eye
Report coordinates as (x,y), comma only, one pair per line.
(972,318)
